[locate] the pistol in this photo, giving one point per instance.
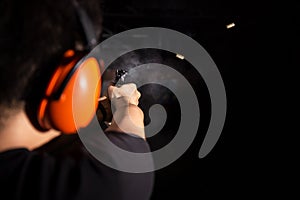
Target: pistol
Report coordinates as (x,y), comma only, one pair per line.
(104,112)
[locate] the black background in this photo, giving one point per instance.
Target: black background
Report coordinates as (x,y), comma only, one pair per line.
(245,162)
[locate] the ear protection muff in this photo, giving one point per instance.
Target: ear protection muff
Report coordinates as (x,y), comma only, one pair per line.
(68,101)
(71,97)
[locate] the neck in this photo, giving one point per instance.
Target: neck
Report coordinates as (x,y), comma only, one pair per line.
(19,133)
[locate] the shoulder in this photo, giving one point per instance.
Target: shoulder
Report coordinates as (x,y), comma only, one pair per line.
(64,168)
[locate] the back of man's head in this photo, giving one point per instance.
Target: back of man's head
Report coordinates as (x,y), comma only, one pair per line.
(34,35)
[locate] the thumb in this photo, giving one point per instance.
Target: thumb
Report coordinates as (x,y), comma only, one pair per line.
(110,90)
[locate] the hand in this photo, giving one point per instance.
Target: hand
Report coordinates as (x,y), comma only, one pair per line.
(127,116)
(127,93)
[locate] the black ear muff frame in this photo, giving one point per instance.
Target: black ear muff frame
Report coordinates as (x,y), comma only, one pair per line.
(69,99)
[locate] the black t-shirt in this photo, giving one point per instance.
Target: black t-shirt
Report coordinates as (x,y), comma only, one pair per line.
(63,169)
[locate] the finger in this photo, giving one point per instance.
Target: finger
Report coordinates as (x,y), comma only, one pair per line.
(135,98)
(110,90)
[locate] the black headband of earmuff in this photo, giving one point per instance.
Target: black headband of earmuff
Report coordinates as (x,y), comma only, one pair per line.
(90,39)
(86,25)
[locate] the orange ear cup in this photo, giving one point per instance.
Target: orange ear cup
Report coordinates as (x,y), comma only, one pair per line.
(77,103)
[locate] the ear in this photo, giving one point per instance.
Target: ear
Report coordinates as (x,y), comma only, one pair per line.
(71,97)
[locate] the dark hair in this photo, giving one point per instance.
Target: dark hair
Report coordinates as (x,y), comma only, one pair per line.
(33,35)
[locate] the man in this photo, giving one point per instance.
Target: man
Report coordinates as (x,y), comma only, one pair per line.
(50,165)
